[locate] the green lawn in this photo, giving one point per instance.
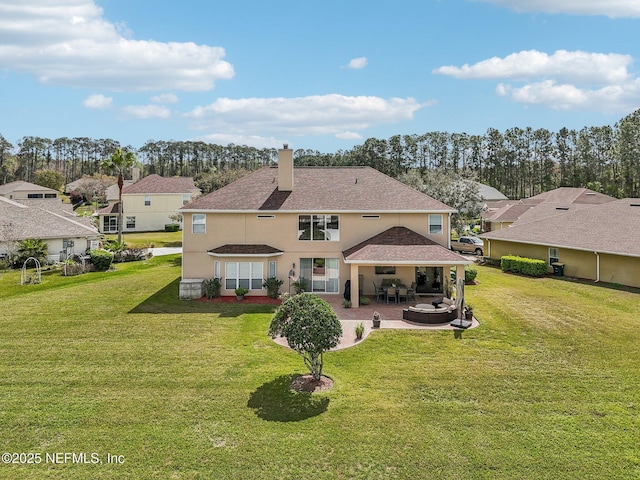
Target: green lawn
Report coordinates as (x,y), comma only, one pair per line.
(145,239)
(113,363)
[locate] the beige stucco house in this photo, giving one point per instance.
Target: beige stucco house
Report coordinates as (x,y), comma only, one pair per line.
(596,242)
(21,190)
(148,204)
(318,225)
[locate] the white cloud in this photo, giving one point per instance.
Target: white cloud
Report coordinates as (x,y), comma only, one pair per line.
(147,111)
(609,8)
(68,42)
(612,99)
(98,101)
(576,66)
(326,114)
(165,98)
(358,63)
(563,81)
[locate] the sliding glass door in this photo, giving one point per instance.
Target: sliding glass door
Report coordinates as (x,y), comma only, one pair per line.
(320,274)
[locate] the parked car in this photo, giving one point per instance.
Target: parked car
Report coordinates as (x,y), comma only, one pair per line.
(468,245)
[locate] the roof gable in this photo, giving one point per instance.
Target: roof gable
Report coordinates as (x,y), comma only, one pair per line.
(399,245)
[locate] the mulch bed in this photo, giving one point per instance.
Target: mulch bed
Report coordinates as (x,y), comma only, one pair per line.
(261,300)
(306,383)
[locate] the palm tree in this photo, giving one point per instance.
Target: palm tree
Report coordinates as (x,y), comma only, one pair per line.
(118,163)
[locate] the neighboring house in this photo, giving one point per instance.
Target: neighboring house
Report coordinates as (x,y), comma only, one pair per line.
(21,190)
(594,241)
(147,204)
(64,233)
(505,213)
(322,226)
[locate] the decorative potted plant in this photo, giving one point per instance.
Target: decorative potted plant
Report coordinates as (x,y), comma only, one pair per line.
(240,293)
(468,312)
(376,320)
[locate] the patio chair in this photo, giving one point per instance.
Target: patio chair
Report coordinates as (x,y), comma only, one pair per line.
(403,292)
(379,291)
(390,294)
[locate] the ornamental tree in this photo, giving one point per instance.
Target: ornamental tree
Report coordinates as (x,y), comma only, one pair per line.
(310,326)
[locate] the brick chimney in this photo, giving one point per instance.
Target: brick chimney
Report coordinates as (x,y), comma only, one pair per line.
(285,169)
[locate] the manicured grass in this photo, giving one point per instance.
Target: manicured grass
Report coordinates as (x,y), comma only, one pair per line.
(145,239)
(545,388)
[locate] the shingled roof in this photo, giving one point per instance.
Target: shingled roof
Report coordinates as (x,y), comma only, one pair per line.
(22,186)
(328,189)
(611,227)
(19,221)
(235,250)
(401,245)
(156,184)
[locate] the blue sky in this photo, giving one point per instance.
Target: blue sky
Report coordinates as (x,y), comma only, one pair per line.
(317,75)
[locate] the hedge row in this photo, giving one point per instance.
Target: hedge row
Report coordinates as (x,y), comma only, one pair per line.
(526,266)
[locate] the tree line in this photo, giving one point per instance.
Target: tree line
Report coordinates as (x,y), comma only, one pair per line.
(520,162)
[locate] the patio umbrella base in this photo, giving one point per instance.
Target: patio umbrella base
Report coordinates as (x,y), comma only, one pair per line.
(460,323)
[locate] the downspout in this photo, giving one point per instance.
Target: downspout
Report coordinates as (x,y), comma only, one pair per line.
(597,267)
(449,232)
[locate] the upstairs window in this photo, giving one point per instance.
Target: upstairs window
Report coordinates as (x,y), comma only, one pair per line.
(435,224)
(319,228)
(199,223)
(147,200)
(186,198)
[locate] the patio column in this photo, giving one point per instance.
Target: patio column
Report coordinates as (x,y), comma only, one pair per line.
(355,300)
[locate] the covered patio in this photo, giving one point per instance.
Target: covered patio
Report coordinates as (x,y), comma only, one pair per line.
(402,255)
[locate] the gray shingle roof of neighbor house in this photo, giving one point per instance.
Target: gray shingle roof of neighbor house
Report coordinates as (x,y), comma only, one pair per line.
(19,221)
(111,193)
(319,189)
(401,245)
(156,184)
(489,193)
(610,227)
(22,186)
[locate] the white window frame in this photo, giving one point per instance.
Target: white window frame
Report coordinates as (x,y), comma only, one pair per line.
(186,198)
(147,200)
(216,269)
(554,258)
(199,220)
(130,220)
(236,275)
(436,228)
(272,269)
(334,234)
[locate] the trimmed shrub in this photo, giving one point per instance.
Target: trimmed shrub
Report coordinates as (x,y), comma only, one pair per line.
(470,274)
(172,227)
(272,284)
(525,266)
(101,259)
(212,287)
